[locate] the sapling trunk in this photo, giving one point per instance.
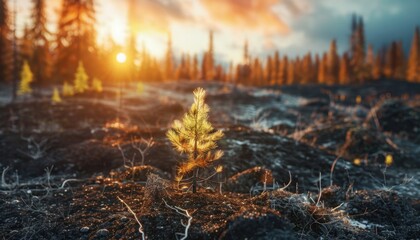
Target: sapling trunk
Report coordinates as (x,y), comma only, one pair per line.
(195,174)
(194,185)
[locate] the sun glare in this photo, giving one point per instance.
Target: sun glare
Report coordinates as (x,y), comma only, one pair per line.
(119,30)
(121,57)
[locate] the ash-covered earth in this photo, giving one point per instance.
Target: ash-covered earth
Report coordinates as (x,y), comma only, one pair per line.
(300,162)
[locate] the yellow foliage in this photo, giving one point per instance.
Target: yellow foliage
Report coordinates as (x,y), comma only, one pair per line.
(140,88)
(26,77)
(358,99)
(178,178)
(56,96)
(81,79)
(97,85)
(195,137)
(68,90)
(389,160)
(219,169)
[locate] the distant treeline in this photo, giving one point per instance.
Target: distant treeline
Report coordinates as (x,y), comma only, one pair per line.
(54,57)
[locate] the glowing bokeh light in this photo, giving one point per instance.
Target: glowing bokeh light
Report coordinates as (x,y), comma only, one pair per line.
(121,57)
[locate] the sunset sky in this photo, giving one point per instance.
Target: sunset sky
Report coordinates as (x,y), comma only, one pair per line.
(292,27)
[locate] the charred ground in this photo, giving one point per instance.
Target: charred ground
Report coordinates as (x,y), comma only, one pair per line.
(268,132)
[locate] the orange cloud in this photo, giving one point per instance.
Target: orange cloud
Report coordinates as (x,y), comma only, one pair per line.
(249,14)
(157,15)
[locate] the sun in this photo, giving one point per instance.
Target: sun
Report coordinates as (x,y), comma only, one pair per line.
(121,57)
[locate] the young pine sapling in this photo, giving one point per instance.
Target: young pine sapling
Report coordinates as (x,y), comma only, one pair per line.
(195,138)
(26,78)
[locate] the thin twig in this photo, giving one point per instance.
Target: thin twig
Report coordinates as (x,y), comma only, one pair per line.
(137,145)
(184,213)
(69,180)
(320,189)
(288,184)
(4,184)
(135,217)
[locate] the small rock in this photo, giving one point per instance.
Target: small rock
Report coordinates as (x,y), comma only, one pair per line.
(84,229)
(124,219)
(102,233)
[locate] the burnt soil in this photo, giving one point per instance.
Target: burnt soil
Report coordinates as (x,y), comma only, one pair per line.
(63,169)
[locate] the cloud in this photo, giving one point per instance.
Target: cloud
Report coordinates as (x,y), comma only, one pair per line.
(385,21)
(253,15)
(369,9)
(292,26)
(246,14)
(157,15)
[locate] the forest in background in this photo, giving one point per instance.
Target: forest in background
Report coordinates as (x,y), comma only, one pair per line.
(53,57)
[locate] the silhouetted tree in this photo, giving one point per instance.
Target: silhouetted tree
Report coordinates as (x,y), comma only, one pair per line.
(283,66)
(353,37)
(210,59)
(413,68)
(76,38)
(256,73)
(370,61)
(195,73)
(246,53)
(400,64)
(244,74)
(187,67)
(156,71)
(344,76)
(204,66)
(394,61)
(5,57)
(298,71)
(269,71)
(219,73)
(180,70)
(361,37)
(277,78)
(231,73)
(169,65)
(322,69)
(132,40)
(26,45)
(41,58)
(183,71)
(307,69)
(149,68)
(377,70)
(291,75)
(332,64)
(238,72)
(358,49)
(315,69)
